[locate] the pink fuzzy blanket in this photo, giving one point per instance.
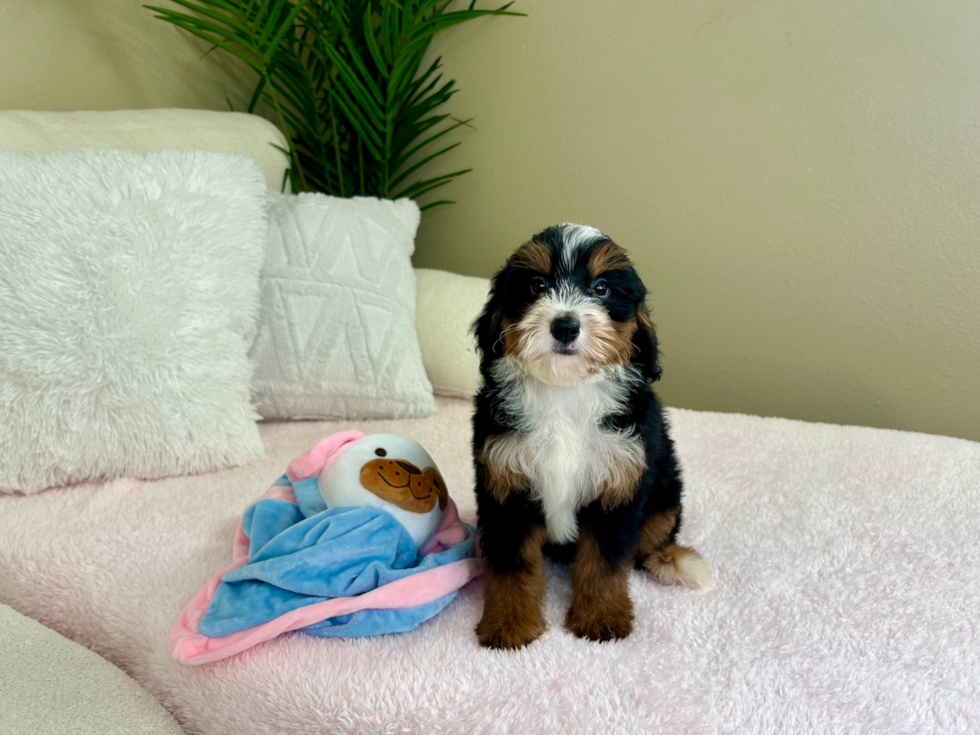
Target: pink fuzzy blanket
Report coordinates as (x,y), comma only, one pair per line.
(847,598)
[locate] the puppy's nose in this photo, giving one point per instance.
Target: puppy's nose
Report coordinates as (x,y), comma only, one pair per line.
(565,329)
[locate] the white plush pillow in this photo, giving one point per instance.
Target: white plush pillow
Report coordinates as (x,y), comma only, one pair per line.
(128,300)
(336,337)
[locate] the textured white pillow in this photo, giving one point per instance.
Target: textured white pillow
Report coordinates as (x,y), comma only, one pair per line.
(128,300)
(336,335)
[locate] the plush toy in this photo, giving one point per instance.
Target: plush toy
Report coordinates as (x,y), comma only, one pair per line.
(358,538)
(380,471)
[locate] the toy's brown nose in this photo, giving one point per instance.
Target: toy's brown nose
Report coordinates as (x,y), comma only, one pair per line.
(408,467)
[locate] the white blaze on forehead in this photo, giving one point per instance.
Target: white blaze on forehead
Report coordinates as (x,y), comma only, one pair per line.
(566,299)
(576,237)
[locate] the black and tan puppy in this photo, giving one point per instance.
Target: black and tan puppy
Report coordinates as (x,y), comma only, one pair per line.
(571,450)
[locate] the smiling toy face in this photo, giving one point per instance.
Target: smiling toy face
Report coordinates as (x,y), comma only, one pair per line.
(390,472)
(404,484)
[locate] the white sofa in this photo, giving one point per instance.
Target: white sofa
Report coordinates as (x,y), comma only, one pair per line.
(847,585)
(50,685)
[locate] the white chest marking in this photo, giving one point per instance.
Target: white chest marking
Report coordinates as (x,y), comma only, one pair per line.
(562,447)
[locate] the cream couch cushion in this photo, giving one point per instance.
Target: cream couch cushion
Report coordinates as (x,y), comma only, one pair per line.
(447,305)
(147,130)
(52,686)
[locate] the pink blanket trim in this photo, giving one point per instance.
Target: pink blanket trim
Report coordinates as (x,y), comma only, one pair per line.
(309,463)
(190,647)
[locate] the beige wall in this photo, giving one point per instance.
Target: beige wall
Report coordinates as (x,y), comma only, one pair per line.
(799,182)
(109,55)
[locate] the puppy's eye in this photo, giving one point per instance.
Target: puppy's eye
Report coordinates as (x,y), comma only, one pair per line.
(538,285)
(600,288)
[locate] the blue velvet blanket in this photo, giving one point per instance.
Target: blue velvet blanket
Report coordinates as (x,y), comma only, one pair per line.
(300,553)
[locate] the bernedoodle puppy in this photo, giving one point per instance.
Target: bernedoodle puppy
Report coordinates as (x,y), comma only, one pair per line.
(572,453)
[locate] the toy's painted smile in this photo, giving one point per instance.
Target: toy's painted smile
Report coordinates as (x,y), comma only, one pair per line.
(411,470)
(405,485)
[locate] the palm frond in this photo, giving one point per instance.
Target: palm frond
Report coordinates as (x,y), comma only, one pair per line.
(345,82)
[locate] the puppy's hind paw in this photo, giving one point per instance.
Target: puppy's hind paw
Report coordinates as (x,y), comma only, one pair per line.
(680,565)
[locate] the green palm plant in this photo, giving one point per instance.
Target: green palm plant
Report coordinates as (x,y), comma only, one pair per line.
(344,80)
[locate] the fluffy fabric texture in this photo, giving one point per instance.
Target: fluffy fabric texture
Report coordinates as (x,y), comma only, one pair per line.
(337,572)
(448,304)
(847,566)
(128,299)
(53,686)
(337,337)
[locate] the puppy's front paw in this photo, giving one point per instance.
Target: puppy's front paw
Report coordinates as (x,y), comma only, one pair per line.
(509,633)
(600,622)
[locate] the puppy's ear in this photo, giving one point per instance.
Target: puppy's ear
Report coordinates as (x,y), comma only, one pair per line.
(488,326)
(646,356)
